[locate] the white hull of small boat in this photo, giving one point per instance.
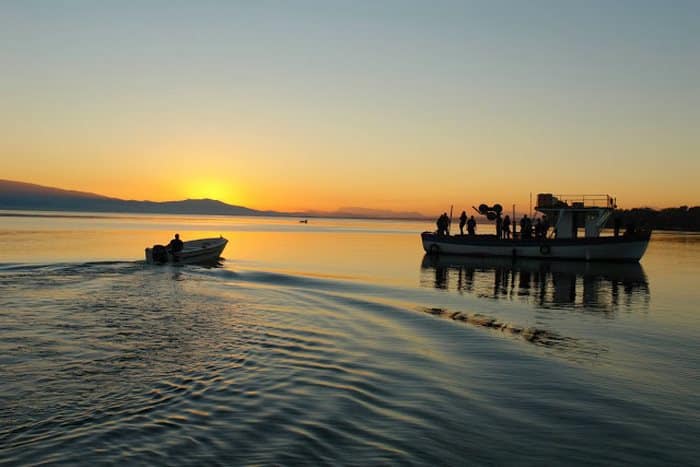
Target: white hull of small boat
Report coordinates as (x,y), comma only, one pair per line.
(584,249)
(205,250)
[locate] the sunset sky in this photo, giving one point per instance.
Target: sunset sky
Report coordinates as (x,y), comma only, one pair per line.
(401,105)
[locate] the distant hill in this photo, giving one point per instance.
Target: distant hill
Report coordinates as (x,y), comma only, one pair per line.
(19,195)
(28,196)
(29,191)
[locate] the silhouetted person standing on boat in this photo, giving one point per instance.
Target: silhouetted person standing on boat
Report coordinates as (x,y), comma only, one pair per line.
(506,226)
(499,226)
(617,223)
(443,223)
(471,226)
(462,222)
(545,226)
(538,229)
(525,227)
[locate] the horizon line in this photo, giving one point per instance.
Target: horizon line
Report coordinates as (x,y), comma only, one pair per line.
(338,213)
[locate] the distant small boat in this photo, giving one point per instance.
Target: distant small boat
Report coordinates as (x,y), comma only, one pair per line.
(201,251)
(304,221)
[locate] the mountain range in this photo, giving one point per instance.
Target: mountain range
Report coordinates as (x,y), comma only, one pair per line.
(28,196)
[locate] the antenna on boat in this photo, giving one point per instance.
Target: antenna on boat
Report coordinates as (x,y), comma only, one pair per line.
(450,224)
(530,204)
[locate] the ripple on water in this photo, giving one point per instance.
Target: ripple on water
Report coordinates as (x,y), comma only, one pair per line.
(129,364)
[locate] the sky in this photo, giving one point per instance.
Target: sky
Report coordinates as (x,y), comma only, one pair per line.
(401,105)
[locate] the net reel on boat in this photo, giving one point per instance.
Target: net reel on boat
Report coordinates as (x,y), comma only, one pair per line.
(491,213)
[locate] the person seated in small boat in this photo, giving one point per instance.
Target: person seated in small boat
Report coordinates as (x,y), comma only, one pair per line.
(506,226)
(471,226)
(175,245)
(462,222)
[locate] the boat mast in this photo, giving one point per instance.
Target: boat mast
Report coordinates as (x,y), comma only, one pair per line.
(450,224)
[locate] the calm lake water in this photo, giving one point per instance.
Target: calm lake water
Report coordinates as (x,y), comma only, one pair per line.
(338,342)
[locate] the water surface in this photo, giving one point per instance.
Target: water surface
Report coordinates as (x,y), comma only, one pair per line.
(337,342)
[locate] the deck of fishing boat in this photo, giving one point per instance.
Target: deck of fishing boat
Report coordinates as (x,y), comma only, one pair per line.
(606,248)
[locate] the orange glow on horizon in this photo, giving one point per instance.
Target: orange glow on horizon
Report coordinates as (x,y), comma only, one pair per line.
(303,195)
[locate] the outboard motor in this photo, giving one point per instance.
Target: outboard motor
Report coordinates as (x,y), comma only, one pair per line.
(160,254)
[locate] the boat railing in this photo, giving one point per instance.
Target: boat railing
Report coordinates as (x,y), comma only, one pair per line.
(575,201)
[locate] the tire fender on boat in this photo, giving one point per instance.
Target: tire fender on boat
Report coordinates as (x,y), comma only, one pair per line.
(545,249)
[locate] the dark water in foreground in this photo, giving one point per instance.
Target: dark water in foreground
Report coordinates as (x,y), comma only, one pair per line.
(338,343)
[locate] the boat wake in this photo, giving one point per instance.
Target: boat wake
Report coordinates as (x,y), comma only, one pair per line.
(534,335)
(325,290)
(186,364)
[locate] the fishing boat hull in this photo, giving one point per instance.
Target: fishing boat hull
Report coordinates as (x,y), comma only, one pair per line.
(201,251)
(582,249)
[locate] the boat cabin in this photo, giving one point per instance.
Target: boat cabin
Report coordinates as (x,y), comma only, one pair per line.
(568,213)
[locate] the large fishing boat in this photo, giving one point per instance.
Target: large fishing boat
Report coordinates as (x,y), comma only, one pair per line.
(567,214)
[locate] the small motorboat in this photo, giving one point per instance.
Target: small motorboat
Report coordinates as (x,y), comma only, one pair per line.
(201,251)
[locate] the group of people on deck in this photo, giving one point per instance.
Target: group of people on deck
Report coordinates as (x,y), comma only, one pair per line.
(503,226)
(470,223)
(443,224)
(539,230)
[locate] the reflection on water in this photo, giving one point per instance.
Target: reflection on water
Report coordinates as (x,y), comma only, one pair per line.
(305,348)
(545,284)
